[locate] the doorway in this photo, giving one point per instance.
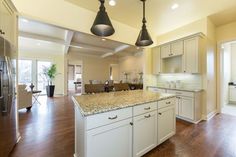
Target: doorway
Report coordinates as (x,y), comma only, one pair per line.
(31,71)
(74,79)
(228,78)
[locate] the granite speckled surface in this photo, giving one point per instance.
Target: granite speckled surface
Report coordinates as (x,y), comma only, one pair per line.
(104,102)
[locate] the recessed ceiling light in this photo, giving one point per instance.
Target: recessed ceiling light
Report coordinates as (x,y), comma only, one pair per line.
(25,20)
(103,39)
(112,2)
(174,6)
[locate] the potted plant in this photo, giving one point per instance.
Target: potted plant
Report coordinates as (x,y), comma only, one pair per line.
(50,74)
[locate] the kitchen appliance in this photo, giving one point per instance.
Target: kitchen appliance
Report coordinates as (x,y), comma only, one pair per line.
(8,111)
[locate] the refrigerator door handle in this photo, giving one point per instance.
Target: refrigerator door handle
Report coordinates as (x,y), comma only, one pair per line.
(10,85)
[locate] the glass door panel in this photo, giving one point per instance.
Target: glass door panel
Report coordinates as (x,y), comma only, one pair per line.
(42,81)
(25,72)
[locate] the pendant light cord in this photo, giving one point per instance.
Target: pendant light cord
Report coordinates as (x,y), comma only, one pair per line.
(102,5)
(144,17)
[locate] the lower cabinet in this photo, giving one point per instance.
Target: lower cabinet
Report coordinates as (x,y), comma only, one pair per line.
(144,133)
(186,107)
(114,140)
(166,123)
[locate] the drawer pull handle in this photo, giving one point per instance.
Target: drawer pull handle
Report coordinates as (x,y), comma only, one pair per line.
(160,113)
(147,116)
(111,118)
(147,108)
(168,102)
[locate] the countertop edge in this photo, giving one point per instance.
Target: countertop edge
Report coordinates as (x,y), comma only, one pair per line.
(179,89)
(86,114)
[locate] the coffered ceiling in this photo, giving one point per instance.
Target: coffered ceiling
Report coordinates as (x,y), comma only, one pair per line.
(161,17)
(37,37)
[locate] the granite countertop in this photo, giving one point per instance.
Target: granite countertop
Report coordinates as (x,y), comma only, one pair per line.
(104,102)
(180,89)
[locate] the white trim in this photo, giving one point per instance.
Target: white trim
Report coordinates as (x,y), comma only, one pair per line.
(75,155)
(188,120)
(210,115)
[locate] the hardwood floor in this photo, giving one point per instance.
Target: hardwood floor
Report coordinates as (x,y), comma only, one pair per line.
(48,131)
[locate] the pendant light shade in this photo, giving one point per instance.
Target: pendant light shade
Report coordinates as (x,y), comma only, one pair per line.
(102,25)
(144,39)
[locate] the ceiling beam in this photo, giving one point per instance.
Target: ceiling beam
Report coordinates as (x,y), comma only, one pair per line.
(68,43)
(91,47)
(41,37)
(68,38)
(117,50)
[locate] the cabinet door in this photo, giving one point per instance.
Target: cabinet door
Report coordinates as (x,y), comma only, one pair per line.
(177,48)
(145,133)
(7,21)
(114,140)
(232,94)
(166,123)
(186,107)
(165,51)
(177,106)
(191,55)
(156,60)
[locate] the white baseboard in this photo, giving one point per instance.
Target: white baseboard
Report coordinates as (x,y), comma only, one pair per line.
(75,155)
(210,115)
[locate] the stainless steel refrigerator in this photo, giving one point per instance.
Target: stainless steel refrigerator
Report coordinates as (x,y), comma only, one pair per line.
(8,111)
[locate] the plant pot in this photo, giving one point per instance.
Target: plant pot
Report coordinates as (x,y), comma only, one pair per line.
(50,90)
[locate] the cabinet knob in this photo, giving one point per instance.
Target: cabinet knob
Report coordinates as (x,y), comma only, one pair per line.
(111,118)
(168,102)
(160,113)
(147,108)
(131,123)
(147,116)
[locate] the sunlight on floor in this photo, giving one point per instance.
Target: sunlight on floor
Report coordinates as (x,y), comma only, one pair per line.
(229,109)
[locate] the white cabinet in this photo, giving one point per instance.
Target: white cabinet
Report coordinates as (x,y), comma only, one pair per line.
(165,51)
(232,93)
(177,48)
(172,49)
(186,107)
(144,133)
(114,140)
(7,21)
(156,60)
(192,53)
(166,123)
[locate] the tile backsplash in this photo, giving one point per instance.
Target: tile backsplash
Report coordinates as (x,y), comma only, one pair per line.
(187,80)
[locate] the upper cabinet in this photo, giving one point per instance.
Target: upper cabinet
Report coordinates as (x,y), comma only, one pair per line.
(7,21)
(172,49)
(192,49)
(180,56)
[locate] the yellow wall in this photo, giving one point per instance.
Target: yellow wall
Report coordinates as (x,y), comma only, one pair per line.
(132,65)
(93,68)
(54,58)
(226,32)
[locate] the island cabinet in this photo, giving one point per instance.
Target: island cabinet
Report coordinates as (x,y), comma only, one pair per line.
(127,132)
(144,128)
(166,119)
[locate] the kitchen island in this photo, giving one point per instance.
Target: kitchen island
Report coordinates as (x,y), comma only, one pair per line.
(122,124)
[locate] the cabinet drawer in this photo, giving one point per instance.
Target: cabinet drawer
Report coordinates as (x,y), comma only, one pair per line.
(98,120)
(181,93)
(141,109)
(167,102)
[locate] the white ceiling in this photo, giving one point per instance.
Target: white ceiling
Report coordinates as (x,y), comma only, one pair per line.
(161,18)
(38,37)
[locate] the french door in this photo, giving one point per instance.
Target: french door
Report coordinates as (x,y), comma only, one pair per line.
(31,71)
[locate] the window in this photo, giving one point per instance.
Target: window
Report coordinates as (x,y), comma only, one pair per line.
(42,81)
(25,72)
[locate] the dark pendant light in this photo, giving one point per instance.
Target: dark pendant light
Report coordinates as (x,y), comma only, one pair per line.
(144,38)
(102,25)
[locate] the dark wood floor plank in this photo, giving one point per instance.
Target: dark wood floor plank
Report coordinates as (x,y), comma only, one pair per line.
(48,131)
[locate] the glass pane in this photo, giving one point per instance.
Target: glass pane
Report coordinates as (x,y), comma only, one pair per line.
(42,81)
(25,72)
